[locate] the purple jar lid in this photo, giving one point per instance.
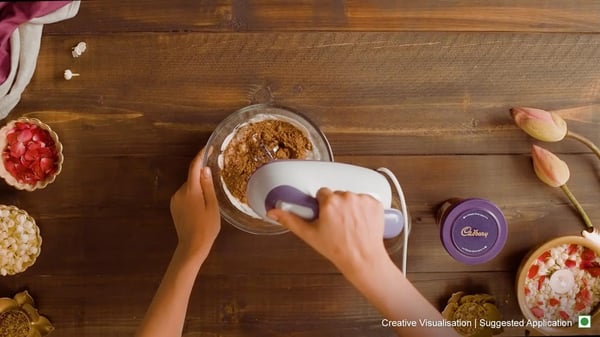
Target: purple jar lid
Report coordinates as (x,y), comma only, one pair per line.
(473,231)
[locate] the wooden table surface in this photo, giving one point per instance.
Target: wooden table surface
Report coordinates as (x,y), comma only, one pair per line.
(423,88)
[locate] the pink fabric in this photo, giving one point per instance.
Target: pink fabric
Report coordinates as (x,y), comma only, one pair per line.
(12,14)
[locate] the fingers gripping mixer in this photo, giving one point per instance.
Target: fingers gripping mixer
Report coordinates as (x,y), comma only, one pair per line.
(292,185)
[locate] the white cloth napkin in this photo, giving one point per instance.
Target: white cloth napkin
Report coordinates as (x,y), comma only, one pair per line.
(25,47)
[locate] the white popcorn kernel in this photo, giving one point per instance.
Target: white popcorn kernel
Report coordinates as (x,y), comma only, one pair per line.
(19,244)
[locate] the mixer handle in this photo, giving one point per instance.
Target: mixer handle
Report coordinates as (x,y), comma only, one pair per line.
(291,199)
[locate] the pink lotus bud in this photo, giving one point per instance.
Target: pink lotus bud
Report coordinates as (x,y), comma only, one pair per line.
(540,124)
(548,167)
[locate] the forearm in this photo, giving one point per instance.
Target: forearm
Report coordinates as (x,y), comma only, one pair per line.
(384,285)
(166,315)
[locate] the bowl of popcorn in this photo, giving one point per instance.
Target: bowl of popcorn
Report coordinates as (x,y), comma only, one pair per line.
(31,154)
(20,240)
(558,285)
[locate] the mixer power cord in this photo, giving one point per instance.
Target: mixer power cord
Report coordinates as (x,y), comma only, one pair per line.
(406,229)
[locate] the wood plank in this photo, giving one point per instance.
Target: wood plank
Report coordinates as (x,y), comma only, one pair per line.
(390,15)
(142,182)
(420,131)
(114,219)
(372,93)
(422,88)
(113,245)
(245,305)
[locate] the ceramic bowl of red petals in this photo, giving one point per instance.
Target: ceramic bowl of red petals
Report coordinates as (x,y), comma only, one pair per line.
(31,154)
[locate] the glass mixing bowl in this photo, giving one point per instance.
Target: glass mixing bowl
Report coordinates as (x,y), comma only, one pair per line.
(214,148)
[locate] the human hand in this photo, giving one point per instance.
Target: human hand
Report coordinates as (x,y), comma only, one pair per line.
(348,232)
(195,210)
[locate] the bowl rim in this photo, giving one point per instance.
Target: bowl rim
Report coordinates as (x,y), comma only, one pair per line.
(532,255)
(227,121)
(12,181)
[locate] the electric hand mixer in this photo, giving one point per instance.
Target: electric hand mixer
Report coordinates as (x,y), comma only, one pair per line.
(292,185)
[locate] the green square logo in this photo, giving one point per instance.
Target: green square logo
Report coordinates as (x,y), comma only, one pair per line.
(585,321)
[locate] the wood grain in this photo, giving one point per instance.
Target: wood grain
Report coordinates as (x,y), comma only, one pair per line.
(257,305)
(423,88)
(314,15)
(398,93)
(104,221)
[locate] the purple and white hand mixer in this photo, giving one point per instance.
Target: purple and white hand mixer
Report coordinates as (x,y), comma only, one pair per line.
(292,185)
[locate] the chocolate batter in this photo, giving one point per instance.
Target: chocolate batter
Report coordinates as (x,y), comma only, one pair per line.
(256,144)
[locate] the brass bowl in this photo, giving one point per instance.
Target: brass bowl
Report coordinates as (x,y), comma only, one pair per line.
(524,268)
(19,317)
(8,177)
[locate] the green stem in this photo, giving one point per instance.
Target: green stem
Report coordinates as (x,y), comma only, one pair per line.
(585,141)
(586,219)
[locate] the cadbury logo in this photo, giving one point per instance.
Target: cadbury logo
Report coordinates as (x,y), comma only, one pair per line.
(469,231)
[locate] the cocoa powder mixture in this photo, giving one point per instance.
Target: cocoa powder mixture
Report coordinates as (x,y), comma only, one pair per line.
(250,148)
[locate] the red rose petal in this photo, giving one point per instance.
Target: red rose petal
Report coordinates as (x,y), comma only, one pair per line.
(45,152)
(563,315)
(594,271)
(533,271)
(25,162)
(537,312)
(33,145)
(544,256)
(30,155)
(572,248)
(588,254)
(11,137)
(583,295)
(570,263)
(46,165)
(541,282)
(579,306)
(24,136)
(586,264)
(553,302)
(10,167)
(17,150)
(37,170)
